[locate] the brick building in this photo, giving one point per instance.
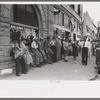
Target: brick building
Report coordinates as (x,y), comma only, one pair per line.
(40,20)
(31,18)
(68,21)
(89,28)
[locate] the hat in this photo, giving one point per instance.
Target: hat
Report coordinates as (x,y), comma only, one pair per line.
(34,38)
(59,37)
(64,39)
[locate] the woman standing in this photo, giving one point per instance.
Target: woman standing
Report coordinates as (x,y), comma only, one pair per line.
(54,49)
(66,52)
(75,50)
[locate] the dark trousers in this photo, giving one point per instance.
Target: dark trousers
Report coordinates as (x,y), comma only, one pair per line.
(84,55)
(49,54)
(54,55)
(93,52)
(20,65)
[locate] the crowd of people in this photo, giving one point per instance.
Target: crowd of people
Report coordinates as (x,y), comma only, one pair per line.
(49,51)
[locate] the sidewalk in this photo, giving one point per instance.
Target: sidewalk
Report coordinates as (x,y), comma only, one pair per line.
(58,71)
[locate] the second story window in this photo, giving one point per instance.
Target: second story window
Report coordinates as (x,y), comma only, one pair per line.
(79,12)
(25,14)
(72,6)
(62,19)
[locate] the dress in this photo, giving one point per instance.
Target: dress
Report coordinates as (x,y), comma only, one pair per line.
(65,46)
(58,49)
(27,56)
(75,49)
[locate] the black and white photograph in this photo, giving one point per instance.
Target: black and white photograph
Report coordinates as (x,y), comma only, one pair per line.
(49,45)
(49,42)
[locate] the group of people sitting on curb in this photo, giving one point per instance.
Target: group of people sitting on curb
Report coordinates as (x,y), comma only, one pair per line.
(41,51)
(45,51)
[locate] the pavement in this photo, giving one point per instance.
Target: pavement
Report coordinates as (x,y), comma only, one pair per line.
(58,71)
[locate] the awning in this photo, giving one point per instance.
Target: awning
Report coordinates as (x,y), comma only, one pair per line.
(62,28)
(77,33)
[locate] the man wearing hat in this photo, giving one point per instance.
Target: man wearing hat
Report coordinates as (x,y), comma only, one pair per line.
(34,47)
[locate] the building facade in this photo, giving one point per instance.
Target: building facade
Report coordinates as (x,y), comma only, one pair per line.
(32,19)
(38,20)
(67,21)
(89,28)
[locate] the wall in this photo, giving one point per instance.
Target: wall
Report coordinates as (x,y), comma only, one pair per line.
(5,45)
(88,22)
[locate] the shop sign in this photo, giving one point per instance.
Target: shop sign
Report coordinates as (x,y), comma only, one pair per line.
(12,26)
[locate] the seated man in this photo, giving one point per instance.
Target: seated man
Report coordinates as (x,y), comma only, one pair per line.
(48,50)
(38,58)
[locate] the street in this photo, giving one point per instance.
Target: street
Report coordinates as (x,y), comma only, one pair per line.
(59,71)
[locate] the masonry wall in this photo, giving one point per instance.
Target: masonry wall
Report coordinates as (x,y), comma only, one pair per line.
(46,14)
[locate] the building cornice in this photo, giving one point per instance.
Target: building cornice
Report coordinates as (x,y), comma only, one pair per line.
(72,12)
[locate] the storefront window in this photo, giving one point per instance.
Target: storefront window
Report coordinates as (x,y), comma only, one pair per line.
(25,14)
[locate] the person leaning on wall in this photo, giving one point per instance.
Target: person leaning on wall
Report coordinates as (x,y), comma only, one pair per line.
(19,59)
(66,51)
(47,48)
(34,49)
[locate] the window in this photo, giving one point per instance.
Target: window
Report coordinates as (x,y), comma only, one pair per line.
(25,14)
(74,37)
(62,19)
(77,26)
(87,28)
(79,12)
(72,6)
(54,19)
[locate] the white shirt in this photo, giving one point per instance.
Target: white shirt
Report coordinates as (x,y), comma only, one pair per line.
(53,43)
(65,45)
(34,45)
(87,44)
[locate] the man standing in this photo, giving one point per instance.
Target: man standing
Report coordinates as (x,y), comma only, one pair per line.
(65,46)
(41,50)
(48,50)
(58,41)
(93,47)
(85,47)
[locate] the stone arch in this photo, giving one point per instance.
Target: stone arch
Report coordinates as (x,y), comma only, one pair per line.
(5,11)
(43,15)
